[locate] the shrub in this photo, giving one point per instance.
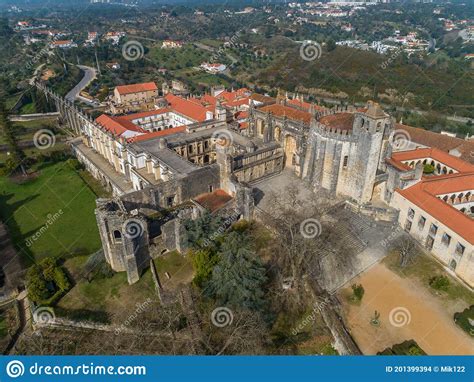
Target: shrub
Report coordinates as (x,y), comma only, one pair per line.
(428,169)
(439,283)
(74,164)
(465,320)
(405,348)
(357,292)
(46,282)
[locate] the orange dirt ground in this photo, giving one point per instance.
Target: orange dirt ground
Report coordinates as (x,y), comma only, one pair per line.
(429,324)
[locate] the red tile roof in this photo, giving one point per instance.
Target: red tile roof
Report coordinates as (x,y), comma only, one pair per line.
(286,111)
(213,201)
(423,194)
(193,110)
(303,105)
(262,98)
(136,88)
(117,125)
(441,142)
(436,154)
(398,165)
(342,121)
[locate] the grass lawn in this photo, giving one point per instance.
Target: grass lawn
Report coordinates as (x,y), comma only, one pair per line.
(105,299)
(112,296)
(423,268)
(25,130)
(30,207)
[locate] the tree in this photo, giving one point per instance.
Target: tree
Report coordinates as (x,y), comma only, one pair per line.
(358,292)
(17,155)
(238,279)
(36,284)
(203,261)
(407,251)
(331,45)
(202,230)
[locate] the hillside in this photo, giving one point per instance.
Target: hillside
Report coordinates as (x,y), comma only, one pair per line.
(354,75)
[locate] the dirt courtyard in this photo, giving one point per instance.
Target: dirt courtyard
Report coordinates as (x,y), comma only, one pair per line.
(407,311)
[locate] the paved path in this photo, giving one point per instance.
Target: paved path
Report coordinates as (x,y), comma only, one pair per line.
(89,75)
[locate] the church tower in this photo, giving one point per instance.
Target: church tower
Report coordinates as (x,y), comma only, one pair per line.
(371,129)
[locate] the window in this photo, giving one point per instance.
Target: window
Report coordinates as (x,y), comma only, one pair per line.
(408,226)
(170,201)
(433,230)
(460,249)
(421,222)
(346,160)
(117,236)
(411,213)
(446,240)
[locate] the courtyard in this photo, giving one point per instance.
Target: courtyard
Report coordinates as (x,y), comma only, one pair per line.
(408,310)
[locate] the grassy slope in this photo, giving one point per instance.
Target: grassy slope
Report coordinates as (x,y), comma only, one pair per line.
(25,208)
(348,70)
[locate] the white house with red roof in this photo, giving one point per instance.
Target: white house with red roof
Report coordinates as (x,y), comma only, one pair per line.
(63,44)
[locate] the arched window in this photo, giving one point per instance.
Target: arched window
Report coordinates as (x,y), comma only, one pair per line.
(117,236)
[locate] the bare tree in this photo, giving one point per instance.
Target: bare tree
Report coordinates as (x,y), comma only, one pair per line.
(407,250)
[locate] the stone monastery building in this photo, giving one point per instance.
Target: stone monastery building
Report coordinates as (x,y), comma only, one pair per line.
(179,156)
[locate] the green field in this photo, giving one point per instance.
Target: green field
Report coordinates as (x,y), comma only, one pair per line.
(53,212)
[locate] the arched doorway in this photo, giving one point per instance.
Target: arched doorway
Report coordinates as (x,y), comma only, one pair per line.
(290,151)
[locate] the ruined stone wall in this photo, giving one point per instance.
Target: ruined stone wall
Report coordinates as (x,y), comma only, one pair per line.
(175,191)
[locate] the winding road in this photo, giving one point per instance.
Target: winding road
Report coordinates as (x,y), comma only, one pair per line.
(89,76)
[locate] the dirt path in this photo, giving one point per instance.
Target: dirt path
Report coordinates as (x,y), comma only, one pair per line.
(407,311)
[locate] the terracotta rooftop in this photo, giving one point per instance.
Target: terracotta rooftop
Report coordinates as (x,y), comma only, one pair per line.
(118,126)
(193,110)
(286,111)
(342,121)
(136,88)
(423,194)
(442,142)
(213,201)
(436,154)
(262,98)
(303,105)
